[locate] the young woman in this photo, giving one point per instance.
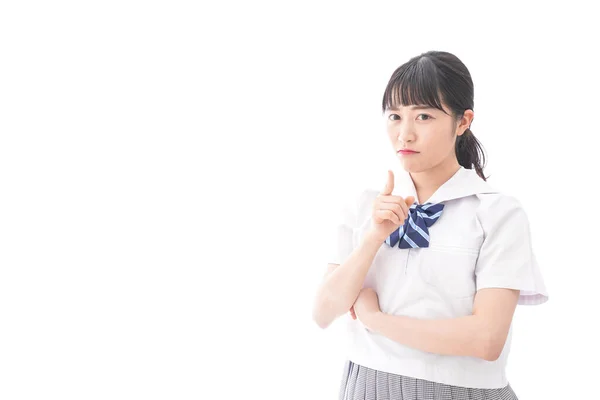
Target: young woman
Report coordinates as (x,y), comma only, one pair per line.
(431,268)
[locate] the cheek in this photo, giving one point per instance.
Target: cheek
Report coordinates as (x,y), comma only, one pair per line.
(438,139)
(389,128)
(437,146)
(392,136)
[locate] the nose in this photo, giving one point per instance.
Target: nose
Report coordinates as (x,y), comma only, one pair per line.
(406,133)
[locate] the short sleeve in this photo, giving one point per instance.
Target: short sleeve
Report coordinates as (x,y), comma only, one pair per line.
(506,258)
(342,223)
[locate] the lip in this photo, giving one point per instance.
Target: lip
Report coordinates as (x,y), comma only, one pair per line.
(406,151)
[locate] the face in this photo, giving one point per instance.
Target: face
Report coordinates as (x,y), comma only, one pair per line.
(427,131)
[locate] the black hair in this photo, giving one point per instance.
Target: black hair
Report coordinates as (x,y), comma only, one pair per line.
(430,79)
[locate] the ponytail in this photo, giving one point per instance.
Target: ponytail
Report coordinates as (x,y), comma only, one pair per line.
(469,152)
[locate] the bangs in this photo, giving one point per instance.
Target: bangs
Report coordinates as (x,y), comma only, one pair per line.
(414,83)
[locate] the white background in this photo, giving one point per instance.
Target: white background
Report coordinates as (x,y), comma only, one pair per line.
(168,169)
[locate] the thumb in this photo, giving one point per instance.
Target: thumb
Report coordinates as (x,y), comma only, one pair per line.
(409,200)
(389,186)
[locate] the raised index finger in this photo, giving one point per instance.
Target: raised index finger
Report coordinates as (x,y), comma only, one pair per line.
(389,186)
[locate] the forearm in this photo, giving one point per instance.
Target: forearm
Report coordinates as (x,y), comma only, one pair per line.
(340,288)
(462,336)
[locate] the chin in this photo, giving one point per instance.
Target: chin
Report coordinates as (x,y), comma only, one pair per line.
(412,167)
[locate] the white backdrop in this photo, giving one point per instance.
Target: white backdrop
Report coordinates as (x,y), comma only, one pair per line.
(168,171)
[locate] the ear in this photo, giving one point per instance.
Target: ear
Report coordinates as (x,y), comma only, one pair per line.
(465,122)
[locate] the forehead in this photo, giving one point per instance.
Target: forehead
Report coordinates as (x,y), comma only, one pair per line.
(417,107)
(413,107)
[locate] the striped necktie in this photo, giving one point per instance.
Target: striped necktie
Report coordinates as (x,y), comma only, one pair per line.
(414,232)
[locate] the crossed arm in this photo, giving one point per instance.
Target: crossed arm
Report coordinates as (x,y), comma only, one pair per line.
(482,334)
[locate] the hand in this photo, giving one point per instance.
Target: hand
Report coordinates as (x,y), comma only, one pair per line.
(389,212)
(366,306)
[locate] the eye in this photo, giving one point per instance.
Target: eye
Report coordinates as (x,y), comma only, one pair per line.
(426,117)
(394,115)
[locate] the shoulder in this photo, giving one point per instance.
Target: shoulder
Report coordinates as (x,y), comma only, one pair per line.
(497,202)
(499,208)
(358,194)
(359,201)
(350,204)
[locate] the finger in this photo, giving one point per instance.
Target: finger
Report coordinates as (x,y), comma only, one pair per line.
(389,186)
(382,215)
(395,217)
(399,210)
(403,203)
(392,198)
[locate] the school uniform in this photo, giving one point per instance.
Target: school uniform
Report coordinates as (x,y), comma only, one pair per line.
(477,238)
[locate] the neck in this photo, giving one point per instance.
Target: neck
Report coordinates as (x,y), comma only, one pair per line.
(428,181)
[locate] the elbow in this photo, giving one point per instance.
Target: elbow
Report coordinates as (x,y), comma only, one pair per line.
(321,322)
(323,313)
(492,355)
(319,318)
(492,347)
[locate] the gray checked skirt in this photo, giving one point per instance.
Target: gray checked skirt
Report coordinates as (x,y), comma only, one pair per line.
(364,383)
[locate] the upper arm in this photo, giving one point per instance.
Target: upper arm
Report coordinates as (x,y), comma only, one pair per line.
(496,308)
(342,221)
(506,259)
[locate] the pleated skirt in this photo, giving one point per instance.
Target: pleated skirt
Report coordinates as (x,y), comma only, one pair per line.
(362,383)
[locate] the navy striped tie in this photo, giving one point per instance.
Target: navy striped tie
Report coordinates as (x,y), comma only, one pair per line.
(415,232)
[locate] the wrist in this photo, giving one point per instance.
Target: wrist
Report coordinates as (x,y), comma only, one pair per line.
(372,237)
(374,321)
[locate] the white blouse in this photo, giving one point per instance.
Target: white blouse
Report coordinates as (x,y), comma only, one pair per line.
(481,240)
